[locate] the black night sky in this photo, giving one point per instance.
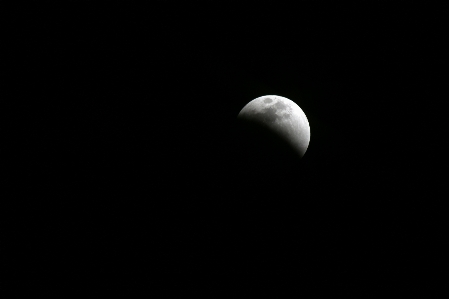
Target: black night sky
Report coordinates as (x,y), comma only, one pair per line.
(128,177)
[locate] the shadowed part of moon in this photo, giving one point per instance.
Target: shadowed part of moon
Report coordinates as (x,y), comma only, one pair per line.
(262,147)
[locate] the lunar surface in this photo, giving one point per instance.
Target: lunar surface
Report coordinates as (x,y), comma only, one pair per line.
(279,120)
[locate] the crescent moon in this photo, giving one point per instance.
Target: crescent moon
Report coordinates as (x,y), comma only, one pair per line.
(281,116)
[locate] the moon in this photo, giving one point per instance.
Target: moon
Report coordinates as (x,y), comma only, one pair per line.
(277,123)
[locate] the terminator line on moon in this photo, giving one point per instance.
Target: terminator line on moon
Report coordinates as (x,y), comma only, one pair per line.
(281,116)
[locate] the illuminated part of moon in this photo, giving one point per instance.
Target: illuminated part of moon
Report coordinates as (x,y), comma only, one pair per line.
(281,116)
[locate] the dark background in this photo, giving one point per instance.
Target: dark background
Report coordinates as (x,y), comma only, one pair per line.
(127,176)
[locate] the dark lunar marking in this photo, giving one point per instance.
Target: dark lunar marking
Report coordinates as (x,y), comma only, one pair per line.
(269,115)
(286,115)
(267,100)
(281,106)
